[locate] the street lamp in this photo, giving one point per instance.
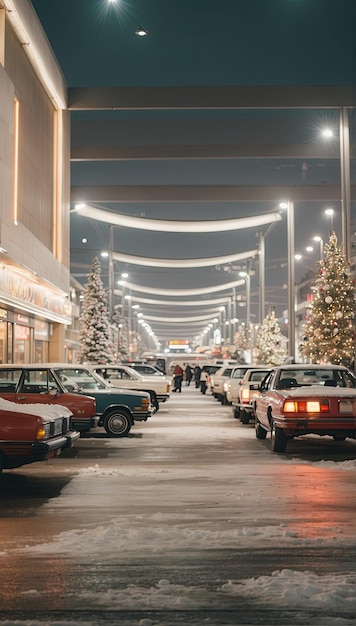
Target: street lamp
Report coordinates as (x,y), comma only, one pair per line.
(344,143)
(289,206)
(247,278)
(321,244)
(330,213)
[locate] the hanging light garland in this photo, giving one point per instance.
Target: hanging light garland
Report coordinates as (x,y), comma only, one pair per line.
(173,226)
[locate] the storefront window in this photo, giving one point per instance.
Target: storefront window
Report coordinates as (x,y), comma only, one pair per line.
(3,341)
(41,334)
(21,344)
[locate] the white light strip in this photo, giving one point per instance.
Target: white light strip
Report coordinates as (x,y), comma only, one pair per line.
(33,309)
(183,263)
(173,320)
(181,320)
(172,226)
(185,292)
(195,303)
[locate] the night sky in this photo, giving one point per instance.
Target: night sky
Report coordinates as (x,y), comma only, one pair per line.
(202,42)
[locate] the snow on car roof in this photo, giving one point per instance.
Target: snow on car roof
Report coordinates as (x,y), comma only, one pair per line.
(320,391)
(49,411)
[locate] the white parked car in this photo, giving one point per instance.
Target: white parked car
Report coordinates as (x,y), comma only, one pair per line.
(243,406)
(232,385)
(124,377)
(217,382)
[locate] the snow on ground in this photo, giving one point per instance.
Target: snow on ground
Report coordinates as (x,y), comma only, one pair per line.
(161,533)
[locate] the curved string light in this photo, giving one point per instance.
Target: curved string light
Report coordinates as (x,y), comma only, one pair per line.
(171,320)
(173,226)
(184,263)
(195,303)
(184,292)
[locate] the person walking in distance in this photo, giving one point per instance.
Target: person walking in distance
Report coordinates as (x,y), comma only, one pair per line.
(204,380)
(197,372)
(188,374)
(177,378)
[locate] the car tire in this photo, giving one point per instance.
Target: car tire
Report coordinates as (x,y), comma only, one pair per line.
(223,399)
(339,438)
(154,401)
(244,417)
(236,412)
(117,423)
(261,433)
(279,439)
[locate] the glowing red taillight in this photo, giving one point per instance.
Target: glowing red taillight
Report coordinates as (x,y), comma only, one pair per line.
(306,406)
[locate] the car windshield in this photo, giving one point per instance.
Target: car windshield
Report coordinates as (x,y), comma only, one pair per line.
(316,376)
(80,378)
(239,372)
(257,376)
(147,369)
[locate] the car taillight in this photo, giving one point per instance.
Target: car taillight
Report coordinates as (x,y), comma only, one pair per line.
(245,395)
(306,406)
(146,403)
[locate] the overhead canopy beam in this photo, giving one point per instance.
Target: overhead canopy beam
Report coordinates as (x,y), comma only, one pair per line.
(243,151)
(211,97)
(205,193)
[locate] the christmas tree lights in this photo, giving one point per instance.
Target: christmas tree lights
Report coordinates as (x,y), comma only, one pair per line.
(95,332)
(329,330)
(269,346)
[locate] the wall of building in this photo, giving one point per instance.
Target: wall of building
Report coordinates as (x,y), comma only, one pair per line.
(34,203)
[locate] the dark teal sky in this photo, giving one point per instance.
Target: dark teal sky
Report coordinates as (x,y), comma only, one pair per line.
(202,42)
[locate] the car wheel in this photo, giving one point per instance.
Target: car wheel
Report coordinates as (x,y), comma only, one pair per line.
(339,438)
(154,401)
(117,423)
(223,399)
(279,439)
(236,412)
(261,433)
(244,417)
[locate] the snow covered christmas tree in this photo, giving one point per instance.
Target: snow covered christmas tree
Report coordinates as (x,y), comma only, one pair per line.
(95,330)
(269,346)
(329,332)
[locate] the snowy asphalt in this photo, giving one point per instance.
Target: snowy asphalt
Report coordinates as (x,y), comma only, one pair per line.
(189,520)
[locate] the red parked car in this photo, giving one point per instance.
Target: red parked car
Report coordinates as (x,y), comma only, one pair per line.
(39,383)
(33,432)
(297,400)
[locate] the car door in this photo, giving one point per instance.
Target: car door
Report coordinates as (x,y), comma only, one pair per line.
(37,385)
(119,377)
(262,400)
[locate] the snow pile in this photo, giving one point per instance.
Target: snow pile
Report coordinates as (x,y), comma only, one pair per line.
(298,590)
(337,465)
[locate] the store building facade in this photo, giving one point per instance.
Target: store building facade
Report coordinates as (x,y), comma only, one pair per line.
(35,307)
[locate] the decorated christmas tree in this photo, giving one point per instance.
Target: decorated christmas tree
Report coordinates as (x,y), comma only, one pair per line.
(328,332)
(269,346)
(242,341)
(95,331)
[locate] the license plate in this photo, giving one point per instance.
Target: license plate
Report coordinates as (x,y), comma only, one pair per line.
(58,427)
(345,407)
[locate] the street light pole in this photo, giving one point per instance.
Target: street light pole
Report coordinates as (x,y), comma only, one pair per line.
(321,245)
(345,180)
(291,278)
(111,272)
